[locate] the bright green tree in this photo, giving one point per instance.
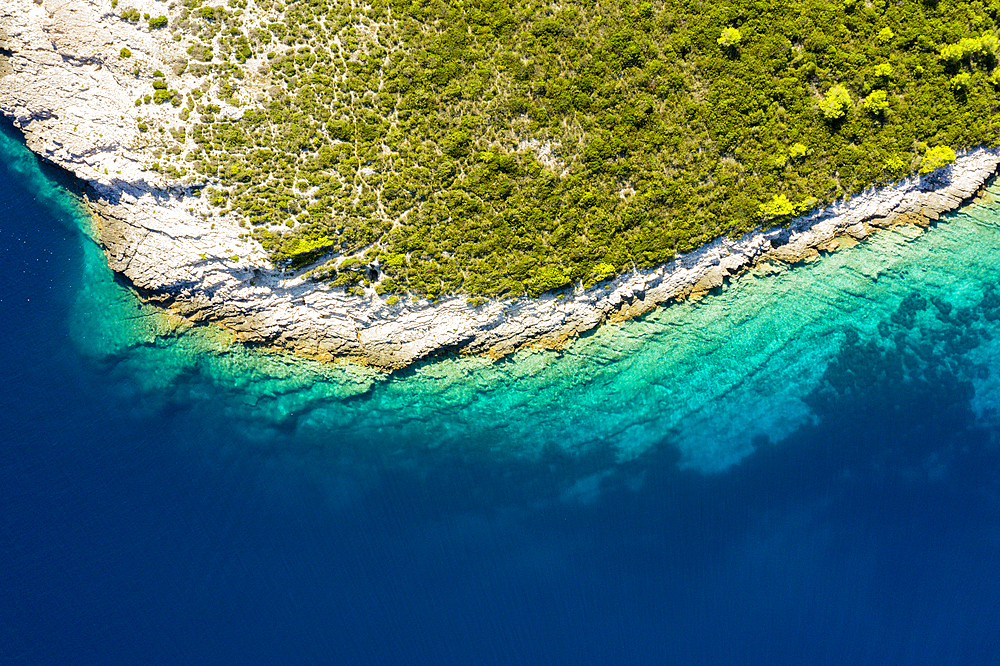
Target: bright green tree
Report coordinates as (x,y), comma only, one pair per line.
(877,103)
(937,157)
(778,206)
(730,38)
(836,103)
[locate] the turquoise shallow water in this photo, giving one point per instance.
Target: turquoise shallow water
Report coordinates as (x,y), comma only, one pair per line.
(800,468)
(713,379)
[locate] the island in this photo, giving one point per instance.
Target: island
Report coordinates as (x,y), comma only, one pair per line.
(392,180)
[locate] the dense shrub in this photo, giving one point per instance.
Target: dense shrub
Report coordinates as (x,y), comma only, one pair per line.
(496,148)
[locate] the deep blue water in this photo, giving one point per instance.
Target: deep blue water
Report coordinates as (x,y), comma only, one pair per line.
(803,468)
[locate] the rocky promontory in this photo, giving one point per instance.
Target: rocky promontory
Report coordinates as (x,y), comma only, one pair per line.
(65,82)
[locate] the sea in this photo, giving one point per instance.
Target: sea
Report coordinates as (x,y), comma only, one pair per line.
(801,468)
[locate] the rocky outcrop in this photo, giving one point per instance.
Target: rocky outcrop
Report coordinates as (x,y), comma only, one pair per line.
(62,83)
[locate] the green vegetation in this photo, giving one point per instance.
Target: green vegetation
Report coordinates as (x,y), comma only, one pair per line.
(503,149)
(161,94)
(836,103)
(777,207)
(730,37)
(967,49)
(798,150)
(877,103)
(936,158)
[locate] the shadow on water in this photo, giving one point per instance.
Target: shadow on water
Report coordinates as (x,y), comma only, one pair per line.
(58,182)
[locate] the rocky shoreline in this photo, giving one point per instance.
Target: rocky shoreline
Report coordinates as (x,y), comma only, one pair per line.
(61,86)
(262,306)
